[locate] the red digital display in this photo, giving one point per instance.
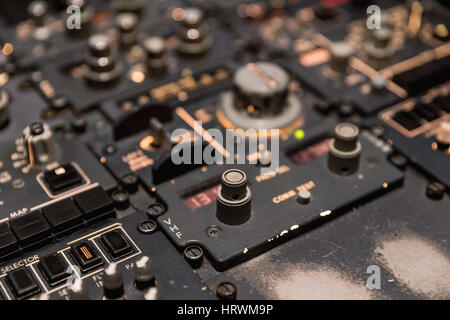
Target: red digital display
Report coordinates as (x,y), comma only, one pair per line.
(201,199)
(311,152)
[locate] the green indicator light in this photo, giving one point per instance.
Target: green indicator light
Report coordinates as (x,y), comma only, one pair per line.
(299,134)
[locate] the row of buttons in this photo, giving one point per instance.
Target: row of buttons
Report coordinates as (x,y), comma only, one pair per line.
(55,268)
(423,113)
(35,228)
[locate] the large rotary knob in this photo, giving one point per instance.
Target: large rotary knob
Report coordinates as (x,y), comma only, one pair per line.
(261,89)
(261,97)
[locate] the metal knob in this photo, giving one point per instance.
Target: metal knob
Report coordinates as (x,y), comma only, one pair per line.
(345,149)
(38,11)
(340,53)
(233,198)
(78,290)
(103,68)
(155,48)
(143,273)
(261,89)
(127,24)
(113,282)
(193,38)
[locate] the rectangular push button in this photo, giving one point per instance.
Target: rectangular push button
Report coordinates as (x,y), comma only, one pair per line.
(86,256)
(62,178)
(94,203)
(30,228)
(116,244)
(63,216)
(54,267)
(8,242)
(22,283)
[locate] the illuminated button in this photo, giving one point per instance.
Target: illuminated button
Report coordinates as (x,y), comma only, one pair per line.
(30,228)
(86,256)
(54,267)
(95,203)
(8,242)
(62,178)
(22,283)
(63,215)
(116,244)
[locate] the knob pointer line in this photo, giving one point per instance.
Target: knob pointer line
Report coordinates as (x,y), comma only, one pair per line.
(186,117)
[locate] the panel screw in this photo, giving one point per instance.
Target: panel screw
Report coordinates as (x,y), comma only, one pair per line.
(109,150)
(155,210)
(226,291)
(194,255)
(147,226)
(213,232)
(435,190)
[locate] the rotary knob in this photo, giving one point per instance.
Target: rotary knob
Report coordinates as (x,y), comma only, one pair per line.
(103,68)
(261,98)
(38,11)
(79,290)
(233,198)
(143,273)
(40,144)
(345,150)
(261,89)
(155,49)
(113,282)
(193,38)
(379,49)
(340,53)
(127,24)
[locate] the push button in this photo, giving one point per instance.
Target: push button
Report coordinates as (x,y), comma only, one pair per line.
(62,178)
(62,216)
(30,228)
(94,203)
(116,244)
(8,242)
(86,256)
(54,267)
(22,283)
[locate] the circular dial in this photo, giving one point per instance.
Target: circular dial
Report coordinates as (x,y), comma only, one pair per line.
(261,89)
(260,99)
